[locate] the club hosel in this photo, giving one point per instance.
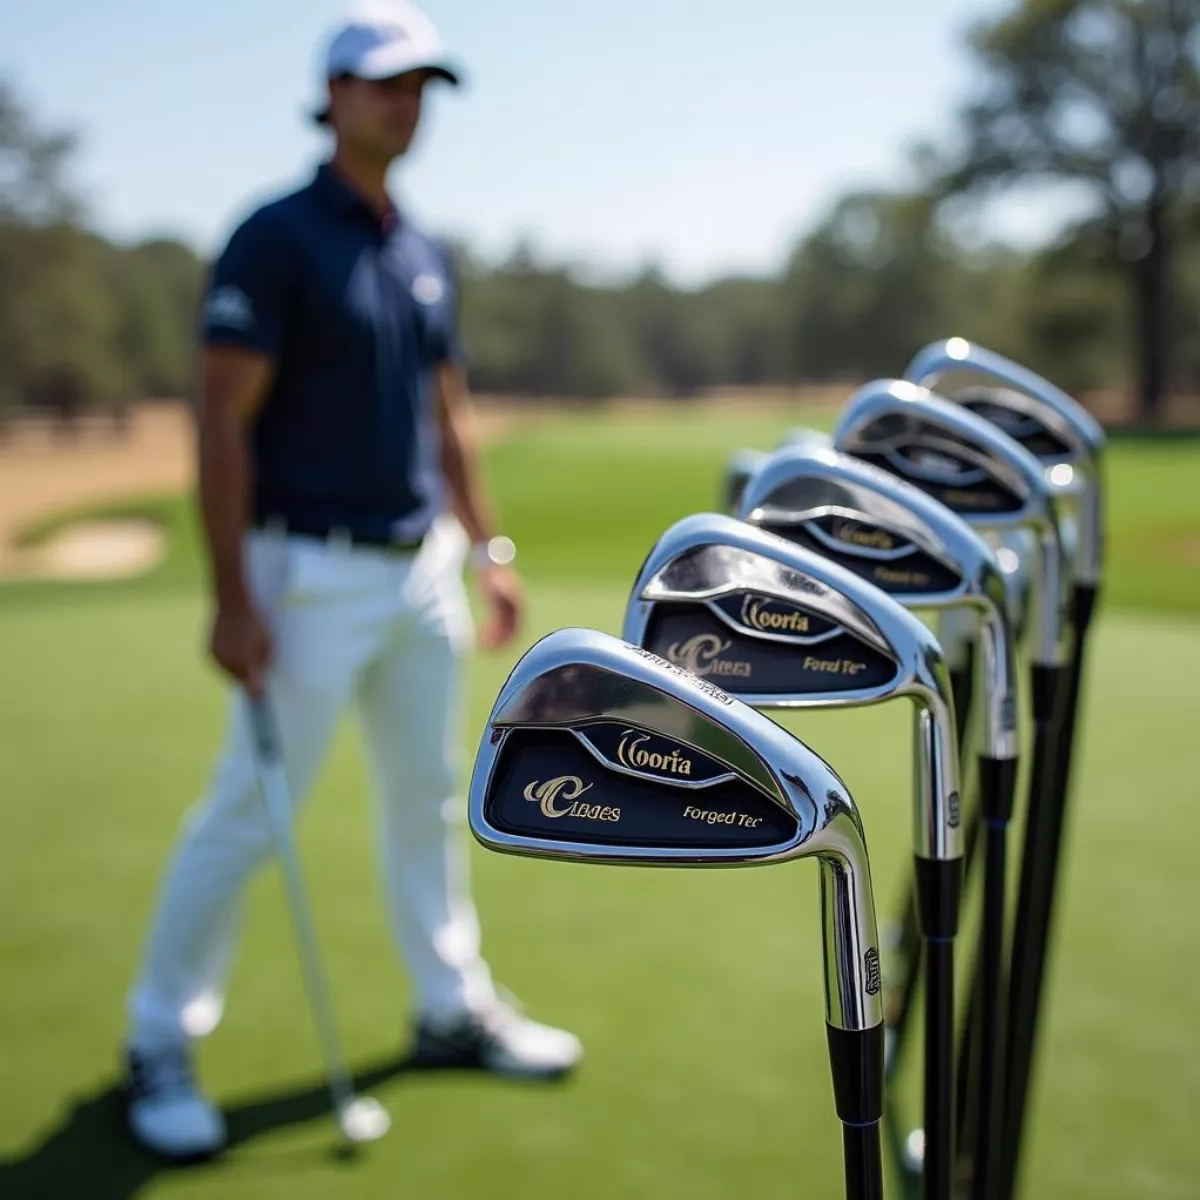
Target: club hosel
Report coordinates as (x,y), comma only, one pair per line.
(997,671)
(939,896)
(937,831)
(1050,618)
(856,1062)
(853,969)
(1090,564)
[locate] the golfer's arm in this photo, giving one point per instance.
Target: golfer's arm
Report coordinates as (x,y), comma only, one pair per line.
(232,387)
(460,455)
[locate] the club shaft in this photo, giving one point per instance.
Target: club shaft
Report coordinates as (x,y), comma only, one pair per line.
(908,941)
(939,1068)
(1035,913)
(862,1151)
(989,1056)
(277,801)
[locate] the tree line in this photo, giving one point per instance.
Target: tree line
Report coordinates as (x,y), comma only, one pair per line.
(1101,94)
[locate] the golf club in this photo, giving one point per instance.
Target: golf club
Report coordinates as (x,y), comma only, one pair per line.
(1061,433)
(781,627)
(360,1118)
(597,751)
(913,547)
(997,485)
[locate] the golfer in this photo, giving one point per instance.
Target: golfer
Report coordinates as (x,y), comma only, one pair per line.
(338,474)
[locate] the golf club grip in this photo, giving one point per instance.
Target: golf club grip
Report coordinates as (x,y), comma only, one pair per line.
(1029,969)
(939,1069)
(863,1156)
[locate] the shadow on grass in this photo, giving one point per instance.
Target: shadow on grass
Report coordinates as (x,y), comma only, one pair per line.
(91,1154)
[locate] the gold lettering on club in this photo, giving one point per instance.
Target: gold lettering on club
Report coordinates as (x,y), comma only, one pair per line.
(757,615)
(970,499)
(631,753)
(712,817)
(701,655)
(856,535)
(568,787)
(904,578)
(833,666)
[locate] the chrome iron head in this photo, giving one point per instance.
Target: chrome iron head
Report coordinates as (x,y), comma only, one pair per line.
(1058,430)
(781,627)
(598,751)
(977,471)
(894,535)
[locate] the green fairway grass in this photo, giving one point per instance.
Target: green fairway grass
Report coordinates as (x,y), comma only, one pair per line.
(698,994)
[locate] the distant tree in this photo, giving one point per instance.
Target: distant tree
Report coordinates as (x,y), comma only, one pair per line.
(1104,94)
(874,281)
(155,288)
(675,336)
(33,186)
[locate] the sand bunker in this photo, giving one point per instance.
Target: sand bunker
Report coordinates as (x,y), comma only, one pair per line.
(114,549)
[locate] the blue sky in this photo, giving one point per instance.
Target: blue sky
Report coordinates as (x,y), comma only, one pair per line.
(704,136)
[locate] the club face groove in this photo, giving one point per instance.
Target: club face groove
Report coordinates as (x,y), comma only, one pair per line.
(1040,416)
(895,536)
(975,470)
(781,627)
(598,751)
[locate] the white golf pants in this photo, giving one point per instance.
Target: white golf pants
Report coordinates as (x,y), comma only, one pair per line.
(387,633)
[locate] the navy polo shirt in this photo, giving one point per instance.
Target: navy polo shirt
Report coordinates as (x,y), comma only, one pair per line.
(357,311)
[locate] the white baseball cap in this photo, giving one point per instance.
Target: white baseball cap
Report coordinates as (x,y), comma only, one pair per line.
(382,39)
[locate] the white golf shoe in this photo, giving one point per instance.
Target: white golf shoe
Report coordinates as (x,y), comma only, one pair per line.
(165,1110)
(497,1038)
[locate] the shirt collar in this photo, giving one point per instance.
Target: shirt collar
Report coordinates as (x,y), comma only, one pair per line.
(336,192)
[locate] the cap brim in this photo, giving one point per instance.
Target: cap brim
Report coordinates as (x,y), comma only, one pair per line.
(374,72)
(401,57)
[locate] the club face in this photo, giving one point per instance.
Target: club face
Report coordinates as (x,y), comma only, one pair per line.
(898,538)
(781,627)
(597,751)
(1058,430)
(971,467)
(873,523)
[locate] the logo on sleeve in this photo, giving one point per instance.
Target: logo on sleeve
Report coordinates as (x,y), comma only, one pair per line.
(229,306)
(428,289)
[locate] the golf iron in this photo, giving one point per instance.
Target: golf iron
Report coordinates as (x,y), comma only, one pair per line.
(597,751)
(1067,439)
(781,627)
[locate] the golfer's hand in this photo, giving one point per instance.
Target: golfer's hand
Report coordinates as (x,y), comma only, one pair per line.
(241,645)
(501,590)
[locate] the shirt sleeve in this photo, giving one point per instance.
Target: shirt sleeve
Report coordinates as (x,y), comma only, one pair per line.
(448,344)
(250,288)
